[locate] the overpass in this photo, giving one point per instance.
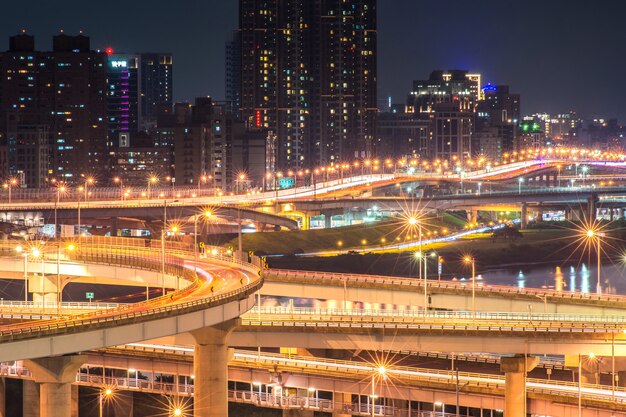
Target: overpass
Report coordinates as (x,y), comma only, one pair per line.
(263,378)
(376,291)
(186,310)
(206,307)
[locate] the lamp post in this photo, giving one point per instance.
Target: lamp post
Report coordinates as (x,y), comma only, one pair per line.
(592,234)
(60,189)
(8,185)
(20,250)
(119,181)
(151,181)
(88,181)
(380,372)
(472,261)
(206,214)
(174,230)
(104,396)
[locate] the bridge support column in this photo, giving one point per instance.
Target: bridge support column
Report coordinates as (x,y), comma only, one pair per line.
(297,413)
(472,216)
(327,221)
(524,216)
(30,398)
(55,377)
(592,203)
(113,229)
(306,222)
(210,367)
(343,404)
(3,412)
(515,369)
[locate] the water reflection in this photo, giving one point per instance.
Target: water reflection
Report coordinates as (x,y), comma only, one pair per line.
(584,273)
(558,279)
(580,278)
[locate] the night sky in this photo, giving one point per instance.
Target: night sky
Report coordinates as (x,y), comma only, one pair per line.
(560,55)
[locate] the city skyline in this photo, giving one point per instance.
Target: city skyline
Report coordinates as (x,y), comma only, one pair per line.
(578,43)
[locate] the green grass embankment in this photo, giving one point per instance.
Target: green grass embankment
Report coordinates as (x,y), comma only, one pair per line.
(536,247)
(359,236)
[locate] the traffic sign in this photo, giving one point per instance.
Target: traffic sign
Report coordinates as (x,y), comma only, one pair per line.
(89,296)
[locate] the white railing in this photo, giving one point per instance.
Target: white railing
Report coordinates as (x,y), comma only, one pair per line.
(537,318)
(339,278)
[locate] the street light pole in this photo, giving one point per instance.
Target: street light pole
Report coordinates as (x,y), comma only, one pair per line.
(599,285)
(471,260)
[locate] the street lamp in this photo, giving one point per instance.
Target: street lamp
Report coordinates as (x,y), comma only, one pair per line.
(88,181)
(380,373)
(151,181)
(20,250)
(205,215)
(472,261)
(119,181)
(173,229)
(105,395)
(60,189)
(8,185)
(591,235)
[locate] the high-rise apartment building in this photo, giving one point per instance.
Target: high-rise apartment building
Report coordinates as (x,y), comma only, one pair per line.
(58,94)
(497,120)
(123,98)
(233,73)
(445,87)
(157,72)
(308,75)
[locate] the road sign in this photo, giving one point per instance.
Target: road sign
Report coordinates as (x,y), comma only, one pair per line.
(89,295)
(202,245)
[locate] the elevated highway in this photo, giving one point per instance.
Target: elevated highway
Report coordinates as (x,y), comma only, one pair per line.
(263,378)
(207,307)
(378,290)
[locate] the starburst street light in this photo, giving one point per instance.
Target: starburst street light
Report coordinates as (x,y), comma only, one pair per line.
(471,261)
(594,235)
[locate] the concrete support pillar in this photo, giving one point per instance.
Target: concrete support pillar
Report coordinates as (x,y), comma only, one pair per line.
(297,413)
(343,404)
(306,222)
(524,216)
(30,399)
(113,228)
(3,412)
(210,368)
(515,369)
(123,404)
(327,221)
(472,216)
(55,377)
(592,203)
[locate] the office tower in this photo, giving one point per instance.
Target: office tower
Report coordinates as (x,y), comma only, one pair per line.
(123,98)
(308,75)
(233,73)
(452,131)
(28,145)
(457,86)
(157,71)
(498,115)
(141,160)
(61,92)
